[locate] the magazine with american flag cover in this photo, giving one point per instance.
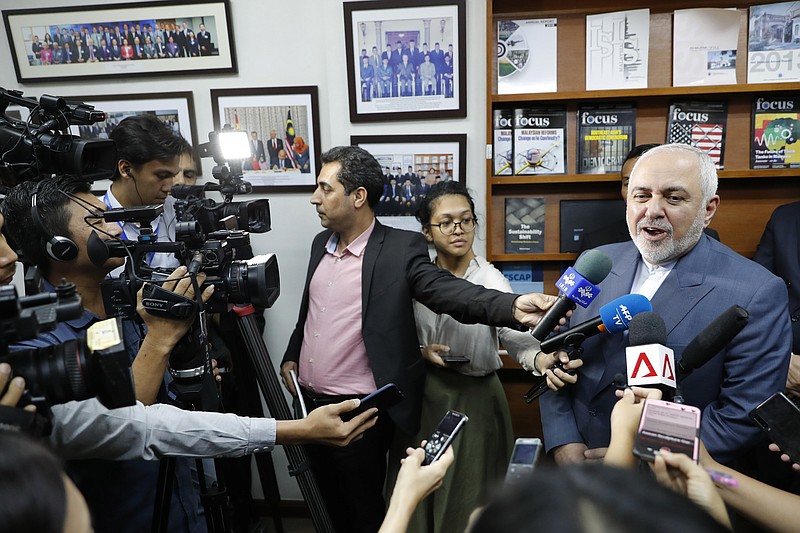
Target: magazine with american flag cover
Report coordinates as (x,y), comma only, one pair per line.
(700,124)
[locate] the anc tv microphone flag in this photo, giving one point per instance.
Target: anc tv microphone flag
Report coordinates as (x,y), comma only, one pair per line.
(289,141)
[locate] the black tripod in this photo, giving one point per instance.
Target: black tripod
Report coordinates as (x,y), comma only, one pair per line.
(267,379)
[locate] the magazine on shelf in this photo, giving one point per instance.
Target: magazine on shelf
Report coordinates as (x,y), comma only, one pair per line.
(700,124)
(525,225)
(526,56)
(540,139)
(503,142)
(606,133)
(617,45)
(704,45)
(776,129)
(773,43)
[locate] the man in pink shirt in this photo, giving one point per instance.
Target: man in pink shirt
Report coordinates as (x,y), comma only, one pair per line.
(356,329)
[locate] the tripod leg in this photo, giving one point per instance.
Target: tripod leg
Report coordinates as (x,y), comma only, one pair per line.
(270,386)
(166,475)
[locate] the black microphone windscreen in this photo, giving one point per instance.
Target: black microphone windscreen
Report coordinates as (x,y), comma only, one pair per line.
(647,328)
(593,265)
(713,338)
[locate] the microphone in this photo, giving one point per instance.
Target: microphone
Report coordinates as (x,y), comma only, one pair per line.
(614,317)
(648,361)
(577,284)
(709,342)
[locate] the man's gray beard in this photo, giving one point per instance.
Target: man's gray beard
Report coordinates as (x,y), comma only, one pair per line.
(668,249)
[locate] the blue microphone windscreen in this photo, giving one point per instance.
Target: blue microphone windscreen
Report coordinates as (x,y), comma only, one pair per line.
(647,328)
(618,313)
(593,265)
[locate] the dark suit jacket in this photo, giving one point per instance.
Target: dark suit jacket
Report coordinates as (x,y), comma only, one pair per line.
(397,269)
(273,152)
(779,252)
(703,283)
(258,150)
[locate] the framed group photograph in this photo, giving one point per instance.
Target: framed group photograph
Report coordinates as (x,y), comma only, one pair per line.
(283,125)
(406,59)
(149,38)
(412,164)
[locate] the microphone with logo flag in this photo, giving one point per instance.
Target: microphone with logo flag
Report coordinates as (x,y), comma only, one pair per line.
(709,342)
(576,285)
(648,361)
(614,317)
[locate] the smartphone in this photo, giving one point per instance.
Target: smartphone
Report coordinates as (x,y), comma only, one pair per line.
(668,425)
(779,417)
(385,397)
(300,400)
(454,359)
(523,459)
(443,435)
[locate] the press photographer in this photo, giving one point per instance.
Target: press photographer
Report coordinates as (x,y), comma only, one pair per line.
(62,211)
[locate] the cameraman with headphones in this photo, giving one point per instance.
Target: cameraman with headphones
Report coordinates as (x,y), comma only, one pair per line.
(52,221)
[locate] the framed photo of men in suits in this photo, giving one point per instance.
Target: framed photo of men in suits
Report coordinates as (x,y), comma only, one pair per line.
(282,124)
(170,37)
(406,59)
(412,164)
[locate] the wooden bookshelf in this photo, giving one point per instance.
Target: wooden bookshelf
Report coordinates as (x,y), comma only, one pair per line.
(748,197)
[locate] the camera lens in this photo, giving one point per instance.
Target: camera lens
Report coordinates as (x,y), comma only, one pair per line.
(253,281)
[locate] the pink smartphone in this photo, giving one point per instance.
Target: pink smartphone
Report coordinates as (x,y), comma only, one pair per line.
(667,425)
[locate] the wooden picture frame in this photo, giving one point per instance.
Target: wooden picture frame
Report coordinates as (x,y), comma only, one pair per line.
(171,22)
(432,158)
(400,89)
(266,110)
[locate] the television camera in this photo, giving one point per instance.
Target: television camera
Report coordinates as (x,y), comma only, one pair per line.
(94,364)
(42,145)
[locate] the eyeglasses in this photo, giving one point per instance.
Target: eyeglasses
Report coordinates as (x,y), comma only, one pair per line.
(449,227)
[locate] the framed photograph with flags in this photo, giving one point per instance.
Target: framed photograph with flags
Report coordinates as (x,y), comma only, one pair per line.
(406,59)
(283,125)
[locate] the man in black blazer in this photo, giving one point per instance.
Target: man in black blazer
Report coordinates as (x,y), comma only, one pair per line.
(274,145)
(356,329)
(779,252)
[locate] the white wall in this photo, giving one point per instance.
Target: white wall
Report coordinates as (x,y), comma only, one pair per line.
(300,42)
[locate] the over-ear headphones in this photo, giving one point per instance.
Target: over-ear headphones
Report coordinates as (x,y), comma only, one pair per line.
(58,247)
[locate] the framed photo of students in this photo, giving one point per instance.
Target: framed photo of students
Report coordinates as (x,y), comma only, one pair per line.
(120,40)
(406,59)
(282,124)
(411,165)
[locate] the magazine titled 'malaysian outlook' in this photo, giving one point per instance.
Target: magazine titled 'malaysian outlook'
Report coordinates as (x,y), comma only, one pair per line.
(704,46)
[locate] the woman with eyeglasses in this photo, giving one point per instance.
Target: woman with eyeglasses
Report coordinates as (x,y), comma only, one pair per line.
(463,360)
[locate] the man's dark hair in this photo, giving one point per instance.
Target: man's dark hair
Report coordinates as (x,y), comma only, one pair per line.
(52,204)
(144,138)
(32,496)
(638,151)
(582,498)
(444,188)
(358,168)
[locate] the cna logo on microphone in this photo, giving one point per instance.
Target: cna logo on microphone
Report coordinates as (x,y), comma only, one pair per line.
(577,288)
(650,364)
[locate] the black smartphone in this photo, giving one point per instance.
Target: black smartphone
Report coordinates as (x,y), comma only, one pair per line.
(779,417)
(523,459)
(454,359)
(443,435)
(385,397)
